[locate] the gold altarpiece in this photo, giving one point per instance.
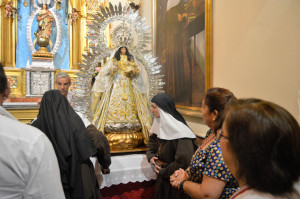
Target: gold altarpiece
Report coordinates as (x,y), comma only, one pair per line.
(8,39)
(7,36)
(78,31)
(77,35)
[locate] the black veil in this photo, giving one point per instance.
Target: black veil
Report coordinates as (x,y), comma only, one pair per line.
(69,137)
(167,104)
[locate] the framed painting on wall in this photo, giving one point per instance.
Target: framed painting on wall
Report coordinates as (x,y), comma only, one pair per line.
(183,45)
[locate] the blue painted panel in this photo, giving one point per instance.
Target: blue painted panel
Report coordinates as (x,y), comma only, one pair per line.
(23,53)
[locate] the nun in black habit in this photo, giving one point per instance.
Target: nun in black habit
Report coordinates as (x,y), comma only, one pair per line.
(171,145)
(72,144)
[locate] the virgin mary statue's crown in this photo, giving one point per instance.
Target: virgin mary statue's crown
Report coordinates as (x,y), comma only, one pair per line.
(122,36)
(123,40)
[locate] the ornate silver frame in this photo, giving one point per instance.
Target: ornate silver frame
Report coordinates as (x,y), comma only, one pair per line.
(99,51)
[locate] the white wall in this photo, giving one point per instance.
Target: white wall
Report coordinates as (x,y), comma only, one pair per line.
(256,49)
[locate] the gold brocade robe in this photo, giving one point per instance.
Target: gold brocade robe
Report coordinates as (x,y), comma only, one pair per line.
(121,108)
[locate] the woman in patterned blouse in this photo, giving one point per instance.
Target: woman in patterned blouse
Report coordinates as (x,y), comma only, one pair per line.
(207,176)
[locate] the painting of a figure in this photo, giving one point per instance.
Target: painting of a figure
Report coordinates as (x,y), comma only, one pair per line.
(180,47)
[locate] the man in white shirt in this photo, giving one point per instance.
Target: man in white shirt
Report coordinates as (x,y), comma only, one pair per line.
(28,163)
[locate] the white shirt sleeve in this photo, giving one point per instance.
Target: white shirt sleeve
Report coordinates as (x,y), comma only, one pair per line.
(44,180)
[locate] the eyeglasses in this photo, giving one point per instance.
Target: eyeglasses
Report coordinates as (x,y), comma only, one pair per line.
(220,132)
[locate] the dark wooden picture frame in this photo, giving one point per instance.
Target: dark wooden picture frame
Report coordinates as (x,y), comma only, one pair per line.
(183,45)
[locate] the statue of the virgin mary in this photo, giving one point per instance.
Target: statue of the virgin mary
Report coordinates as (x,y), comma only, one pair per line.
(129,76)
(119,102)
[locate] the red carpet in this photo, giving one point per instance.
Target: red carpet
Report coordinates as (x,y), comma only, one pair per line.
(137,190)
